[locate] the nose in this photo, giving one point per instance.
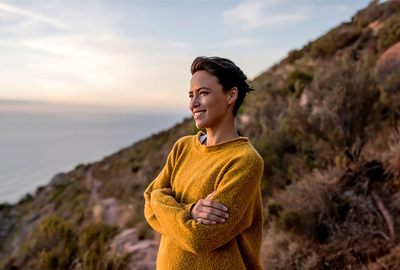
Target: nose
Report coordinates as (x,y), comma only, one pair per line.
(194,102)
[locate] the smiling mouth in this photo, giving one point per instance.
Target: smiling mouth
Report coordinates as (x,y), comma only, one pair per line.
(197,114)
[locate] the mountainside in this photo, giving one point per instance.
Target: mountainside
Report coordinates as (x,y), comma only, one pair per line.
(325,120)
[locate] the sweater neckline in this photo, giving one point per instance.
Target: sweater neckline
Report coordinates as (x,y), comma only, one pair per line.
(218,146)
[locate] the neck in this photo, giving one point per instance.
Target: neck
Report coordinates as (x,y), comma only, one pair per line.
(222,132)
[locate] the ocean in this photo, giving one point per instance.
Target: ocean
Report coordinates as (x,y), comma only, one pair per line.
(36,146)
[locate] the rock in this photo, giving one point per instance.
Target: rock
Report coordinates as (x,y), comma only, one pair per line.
(144,244)
(110,210)
(143,253)
(305,101)
(388,63)
(375,26)
(125,239)
(97,213)
(57,178)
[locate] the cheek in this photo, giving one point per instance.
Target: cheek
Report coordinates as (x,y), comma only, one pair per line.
(217,105)
(215,102)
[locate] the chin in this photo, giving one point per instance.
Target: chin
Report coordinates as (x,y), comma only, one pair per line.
(199,125)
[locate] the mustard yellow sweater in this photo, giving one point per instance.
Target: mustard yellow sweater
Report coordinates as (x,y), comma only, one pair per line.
(193,170)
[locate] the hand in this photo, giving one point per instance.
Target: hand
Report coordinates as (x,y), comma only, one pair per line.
(169,190)
(209,212)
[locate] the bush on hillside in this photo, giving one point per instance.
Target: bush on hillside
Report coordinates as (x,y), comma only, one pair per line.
(54,242)
(364,17)
(391,7)
(335,39)
(390,95)
(93,240)
(294,55)
(5,209)
(27,198)
(289,220)
(56,245)
(296,81)
(389,34)
(349,96)
(293,140)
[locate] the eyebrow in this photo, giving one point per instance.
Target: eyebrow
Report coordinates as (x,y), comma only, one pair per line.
(201,88)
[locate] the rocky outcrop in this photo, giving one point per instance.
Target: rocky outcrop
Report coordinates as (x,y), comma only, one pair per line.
(143,254)
(388,63)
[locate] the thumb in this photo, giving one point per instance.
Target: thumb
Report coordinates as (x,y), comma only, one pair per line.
(210,195)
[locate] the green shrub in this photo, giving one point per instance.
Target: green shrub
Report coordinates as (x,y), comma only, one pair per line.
(289,220)
(95,233)
(5,208)
(135,168)
(350,96)
(27,198)
(294,55)
(368,15)
(335,39)
(58,189)
(389,34)
(52,245)
(51,260)
(297,77)
(390,95)
(54,227)
(92,243)
(391,7)
(39,190)
(274,209)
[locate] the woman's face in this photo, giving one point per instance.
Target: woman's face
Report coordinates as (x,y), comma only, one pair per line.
(208,101)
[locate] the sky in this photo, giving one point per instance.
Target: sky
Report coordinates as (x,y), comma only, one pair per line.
(134,56)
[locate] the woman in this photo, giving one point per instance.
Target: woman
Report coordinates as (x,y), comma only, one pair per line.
(206,202)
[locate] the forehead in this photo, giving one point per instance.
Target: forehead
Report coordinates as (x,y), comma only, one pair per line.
(203,78)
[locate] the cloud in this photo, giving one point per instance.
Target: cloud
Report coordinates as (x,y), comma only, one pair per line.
(239,42)
(342,7)
(250,15)
(34,17)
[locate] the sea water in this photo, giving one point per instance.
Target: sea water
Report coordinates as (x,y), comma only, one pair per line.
(34,147)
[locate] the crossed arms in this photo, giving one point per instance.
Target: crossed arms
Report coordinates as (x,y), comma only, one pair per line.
(236,190)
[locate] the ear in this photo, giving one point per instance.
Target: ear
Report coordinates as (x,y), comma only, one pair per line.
(233,95)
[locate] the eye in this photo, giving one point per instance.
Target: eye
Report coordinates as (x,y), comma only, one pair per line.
(190,95)
(203,92)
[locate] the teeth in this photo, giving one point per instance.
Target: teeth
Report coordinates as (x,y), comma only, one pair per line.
(198,113)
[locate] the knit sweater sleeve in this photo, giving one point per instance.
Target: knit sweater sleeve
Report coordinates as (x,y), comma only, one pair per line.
(237,190)
(162,181)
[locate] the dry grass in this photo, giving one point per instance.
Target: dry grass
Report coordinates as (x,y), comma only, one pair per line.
(286,251)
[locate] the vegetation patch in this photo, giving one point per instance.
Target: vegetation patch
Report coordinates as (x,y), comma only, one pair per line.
(389,34)
(335,39)
(296,81)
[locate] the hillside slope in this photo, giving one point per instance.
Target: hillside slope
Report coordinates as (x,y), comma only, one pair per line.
(325,120)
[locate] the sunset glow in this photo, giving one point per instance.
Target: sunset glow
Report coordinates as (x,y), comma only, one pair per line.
(135,55)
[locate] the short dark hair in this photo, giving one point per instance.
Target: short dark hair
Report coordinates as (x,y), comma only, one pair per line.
(229,75)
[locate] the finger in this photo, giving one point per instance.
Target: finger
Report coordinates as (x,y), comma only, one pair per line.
(210,195)
(213,211)
(206,222)
(211,217)
(169,190)
(214,204)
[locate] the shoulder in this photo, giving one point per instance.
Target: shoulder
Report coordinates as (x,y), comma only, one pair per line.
(244,163)
(184,143)
(245,160)
(255,155)
(249,155)
(185,140)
